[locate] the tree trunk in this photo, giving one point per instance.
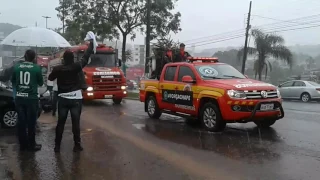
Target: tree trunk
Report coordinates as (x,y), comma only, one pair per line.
(123,50)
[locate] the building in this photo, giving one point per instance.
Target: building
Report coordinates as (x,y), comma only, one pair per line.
(138,55)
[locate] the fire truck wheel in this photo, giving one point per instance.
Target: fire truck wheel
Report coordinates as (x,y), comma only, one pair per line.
(153,108)
(211,118)
(117,101)
(265,123)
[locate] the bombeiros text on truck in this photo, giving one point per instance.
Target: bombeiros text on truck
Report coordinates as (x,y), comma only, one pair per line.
(104,78)
(212,93)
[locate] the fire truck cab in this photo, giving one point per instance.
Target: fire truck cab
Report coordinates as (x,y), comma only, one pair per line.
(102,74)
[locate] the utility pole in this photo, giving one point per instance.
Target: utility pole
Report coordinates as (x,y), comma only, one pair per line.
(46,17)
(148,32)
(245,50)
(63,15)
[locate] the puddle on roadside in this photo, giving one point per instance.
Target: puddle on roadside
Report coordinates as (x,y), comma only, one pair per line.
(250,144)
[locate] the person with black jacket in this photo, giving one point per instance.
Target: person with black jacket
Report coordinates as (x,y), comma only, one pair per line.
(182,55)
(70,95)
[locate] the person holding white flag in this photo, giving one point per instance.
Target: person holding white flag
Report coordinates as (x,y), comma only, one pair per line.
(69,92)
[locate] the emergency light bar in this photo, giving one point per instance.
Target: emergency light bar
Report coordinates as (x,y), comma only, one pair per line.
(203,59)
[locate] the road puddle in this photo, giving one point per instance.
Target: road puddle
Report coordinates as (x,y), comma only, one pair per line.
(252,145)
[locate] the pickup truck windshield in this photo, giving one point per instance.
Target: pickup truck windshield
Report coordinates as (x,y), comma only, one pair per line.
(219,71)
(101,60)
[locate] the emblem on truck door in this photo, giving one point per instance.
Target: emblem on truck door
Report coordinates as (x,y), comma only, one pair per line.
(264,94)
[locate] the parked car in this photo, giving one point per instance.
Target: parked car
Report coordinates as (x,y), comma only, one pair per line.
(135,84)
(130,85)
(298,89)
(8,114)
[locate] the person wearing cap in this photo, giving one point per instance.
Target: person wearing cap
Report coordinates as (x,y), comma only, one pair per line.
(182,55)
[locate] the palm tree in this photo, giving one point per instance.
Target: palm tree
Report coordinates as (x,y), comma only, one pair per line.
(267,45)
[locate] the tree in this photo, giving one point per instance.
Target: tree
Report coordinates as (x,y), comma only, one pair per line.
(130,15)
(81,16)
(129,55)
(7,28)
(267,45)
(229,57)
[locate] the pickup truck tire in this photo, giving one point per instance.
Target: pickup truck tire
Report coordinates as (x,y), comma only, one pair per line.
(117,101)
(211,118)
(265,123)
(153,108)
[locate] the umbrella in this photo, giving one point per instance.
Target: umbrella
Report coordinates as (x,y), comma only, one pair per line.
(35,37)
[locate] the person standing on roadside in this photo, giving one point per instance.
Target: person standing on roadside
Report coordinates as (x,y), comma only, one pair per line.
(26,78)
(53,87)
(69,92)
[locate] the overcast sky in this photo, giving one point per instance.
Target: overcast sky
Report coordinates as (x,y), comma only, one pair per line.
(201,18)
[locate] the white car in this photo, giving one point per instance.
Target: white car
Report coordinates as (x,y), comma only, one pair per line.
(135,84)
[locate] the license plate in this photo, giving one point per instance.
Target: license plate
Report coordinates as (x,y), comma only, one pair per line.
(266,107)
(108,96)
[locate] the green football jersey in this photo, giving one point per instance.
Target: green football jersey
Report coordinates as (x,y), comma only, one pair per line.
(26,78)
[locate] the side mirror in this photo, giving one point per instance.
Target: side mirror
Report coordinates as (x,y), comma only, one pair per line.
(119,63)
(188,79)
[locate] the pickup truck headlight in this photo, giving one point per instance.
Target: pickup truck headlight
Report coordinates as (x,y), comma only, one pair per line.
(123,87)
(236,94)
(90,89)
(278,93)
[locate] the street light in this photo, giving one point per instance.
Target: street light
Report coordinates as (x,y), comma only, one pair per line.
(46,17)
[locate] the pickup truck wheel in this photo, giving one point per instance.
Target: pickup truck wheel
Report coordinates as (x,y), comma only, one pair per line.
(153,108)
(265,123)
(211,118)
(117,101)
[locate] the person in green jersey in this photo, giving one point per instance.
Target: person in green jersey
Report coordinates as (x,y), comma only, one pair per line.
(26,78)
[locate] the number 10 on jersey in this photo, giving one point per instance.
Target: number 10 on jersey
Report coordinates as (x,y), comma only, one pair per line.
(24,78)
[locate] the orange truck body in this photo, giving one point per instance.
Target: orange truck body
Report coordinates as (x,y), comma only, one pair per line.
(104,78)
(187,95)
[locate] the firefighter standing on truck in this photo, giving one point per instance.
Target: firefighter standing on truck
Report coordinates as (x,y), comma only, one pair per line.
(182,55)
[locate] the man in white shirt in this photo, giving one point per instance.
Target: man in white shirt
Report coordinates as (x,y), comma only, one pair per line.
(54,86)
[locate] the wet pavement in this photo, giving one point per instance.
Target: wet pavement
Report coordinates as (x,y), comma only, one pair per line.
(121,142)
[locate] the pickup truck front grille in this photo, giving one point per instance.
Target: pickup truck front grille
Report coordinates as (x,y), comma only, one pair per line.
(257,94)
(106,83)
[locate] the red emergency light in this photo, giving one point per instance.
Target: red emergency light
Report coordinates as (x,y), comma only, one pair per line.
(203,59)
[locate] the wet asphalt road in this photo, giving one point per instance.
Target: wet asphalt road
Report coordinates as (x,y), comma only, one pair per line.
(121,142)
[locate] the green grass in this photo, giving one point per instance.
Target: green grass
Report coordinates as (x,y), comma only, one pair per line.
(132,95)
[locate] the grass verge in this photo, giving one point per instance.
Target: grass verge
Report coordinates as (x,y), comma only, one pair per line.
(133,95)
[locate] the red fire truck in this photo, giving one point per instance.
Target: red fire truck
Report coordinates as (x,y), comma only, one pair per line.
(103,76)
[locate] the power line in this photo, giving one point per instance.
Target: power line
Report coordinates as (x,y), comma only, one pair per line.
(308,27)
(240,36)
(265,27)
(227,39)
(216,35)
(271,29)
(217,38)
(276,19)
(287,26)
(291,20)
